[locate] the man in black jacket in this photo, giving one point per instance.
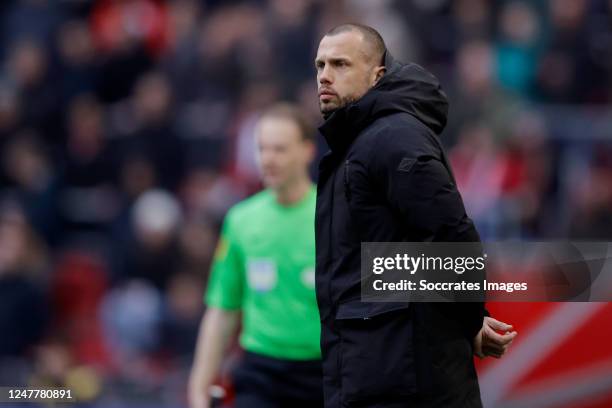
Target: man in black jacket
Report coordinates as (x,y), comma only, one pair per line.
(386,178)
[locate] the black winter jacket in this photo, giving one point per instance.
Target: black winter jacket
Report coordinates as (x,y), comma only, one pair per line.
(386,178)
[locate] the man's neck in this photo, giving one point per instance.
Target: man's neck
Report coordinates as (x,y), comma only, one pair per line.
(293,192)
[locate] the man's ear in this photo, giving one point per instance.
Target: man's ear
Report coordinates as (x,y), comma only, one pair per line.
(310,148)
(379,72)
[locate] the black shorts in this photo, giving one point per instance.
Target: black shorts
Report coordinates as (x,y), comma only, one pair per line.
(265,382)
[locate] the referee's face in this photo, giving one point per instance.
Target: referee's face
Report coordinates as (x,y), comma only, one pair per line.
(283,155)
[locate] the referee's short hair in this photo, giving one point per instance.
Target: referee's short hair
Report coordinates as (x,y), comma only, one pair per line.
(286,110)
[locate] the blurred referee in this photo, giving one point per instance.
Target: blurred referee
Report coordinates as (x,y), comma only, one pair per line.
(264,268)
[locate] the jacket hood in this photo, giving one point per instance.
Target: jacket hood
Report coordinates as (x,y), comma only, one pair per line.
(403,88)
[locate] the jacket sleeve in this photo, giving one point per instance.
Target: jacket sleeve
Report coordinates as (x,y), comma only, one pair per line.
(408,166)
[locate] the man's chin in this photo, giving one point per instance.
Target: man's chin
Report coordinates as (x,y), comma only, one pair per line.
(327,111)
(272,183)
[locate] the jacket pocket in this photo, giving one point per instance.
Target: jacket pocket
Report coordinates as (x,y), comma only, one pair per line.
(376,351)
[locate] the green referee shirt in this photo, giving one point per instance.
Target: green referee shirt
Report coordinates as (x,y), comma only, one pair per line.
(264,265)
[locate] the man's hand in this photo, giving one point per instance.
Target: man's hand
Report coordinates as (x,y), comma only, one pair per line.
(198,398)
(488,342)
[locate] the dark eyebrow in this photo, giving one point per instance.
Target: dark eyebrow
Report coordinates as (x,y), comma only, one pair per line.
(339,59)
(333,60)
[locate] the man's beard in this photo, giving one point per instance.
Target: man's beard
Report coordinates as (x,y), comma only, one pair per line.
(347,100)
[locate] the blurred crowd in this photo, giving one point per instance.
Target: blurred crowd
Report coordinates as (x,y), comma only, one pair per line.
(126,132)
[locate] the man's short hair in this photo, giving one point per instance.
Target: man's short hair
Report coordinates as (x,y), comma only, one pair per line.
(370,36)
(285,110)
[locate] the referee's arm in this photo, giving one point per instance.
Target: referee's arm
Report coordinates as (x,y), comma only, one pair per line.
(224,296)
(216,331)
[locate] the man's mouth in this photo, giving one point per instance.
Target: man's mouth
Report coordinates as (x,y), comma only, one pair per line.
(326,95)
(269,172)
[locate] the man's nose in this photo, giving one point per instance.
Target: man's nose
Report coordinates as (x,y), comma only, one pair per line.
(266,158)
(325,77)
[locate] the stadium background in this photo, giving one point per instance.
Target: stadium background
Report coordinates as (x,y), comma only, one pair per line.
(126,132)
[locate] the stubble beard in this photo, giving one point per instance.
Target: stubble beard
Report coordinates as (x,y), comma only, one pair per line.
(343,102)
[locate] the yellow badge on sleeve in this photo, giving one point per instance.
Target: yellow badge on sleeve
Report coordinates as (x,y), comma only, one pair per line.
(221,250)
